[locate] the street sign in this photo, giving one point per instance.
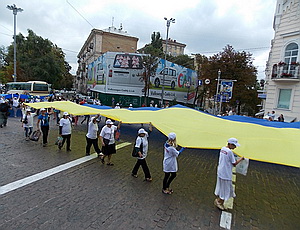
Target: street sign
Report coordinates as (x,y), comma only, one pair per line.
(207,81)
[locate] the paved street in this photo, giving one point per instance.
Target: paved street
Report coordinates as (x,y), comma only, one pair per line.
(96,196)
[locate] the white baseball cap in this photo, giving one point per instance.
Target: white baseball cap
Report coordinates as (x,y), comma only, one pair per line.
(66,113)
(142,131)
(108,122)
(43,109)
(28,110)
(172,136)
(233,141)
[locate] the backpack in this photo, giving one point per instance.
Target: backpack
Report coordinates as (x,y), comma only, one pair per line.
(137,149)
(35,135)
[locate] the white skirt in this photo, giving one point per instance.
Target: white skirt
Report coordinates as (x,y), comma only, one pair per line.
(224,189)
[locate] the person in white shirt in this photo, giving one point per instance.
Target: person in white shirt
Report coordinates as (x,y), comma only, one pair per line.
(107,137)
(117,106)
(224,189)
(92,136)
(15,105)
(27,123)
(141,144)
(65,129)
(170,162)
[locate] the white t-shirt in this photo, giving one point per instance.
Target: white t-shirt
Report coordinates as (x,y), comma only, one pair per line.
(138,142)
(29,120)
(226,161)
(109,133)
(66,126)
(92,130)
(170,161)
(15,102)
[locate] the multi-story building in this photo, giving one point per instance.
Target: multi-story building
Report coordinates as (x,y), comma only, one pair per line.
(283,69)
(97,43)
(174,48)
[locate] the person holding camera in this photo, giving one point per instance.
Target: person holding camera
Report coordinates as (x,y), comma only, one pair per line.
(27,123)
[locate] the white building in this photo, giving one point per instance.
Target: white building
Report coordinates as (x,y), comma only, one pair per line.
(283,69)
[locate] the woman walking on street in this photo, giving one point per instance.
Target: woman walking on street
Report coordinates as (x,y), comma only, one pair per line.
(107,137)
(142,144)
(43,118)
(27,123)
(170,162)
(65,130)
(92,136)
(224,189)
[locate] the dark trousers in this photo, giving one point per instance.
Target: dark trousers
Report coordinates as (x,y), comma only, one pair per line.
(169,177)
(45,131)
(143,163)
(28,131)
(89,143)
(68,138)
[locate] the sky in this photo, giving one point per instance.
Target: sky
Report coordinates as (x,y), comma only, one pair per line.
(205,26)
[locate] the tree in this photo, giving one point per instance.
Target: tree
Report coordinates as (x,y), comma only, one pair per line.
(40,59)
(155,47)
(183,60)
(156,41)
(150,64)
(234,66)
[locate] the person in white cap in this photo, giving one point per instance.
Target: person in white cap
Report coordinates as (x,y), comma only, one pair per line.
(43,119)
(15,105)
(27,123)
(170,162)
(224,189)
(107,137)
(65,130)
(92,136)
(141,144)
(117,106)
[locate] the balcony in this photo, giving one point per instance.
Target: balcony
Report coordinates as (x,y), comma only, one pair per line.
(286,72)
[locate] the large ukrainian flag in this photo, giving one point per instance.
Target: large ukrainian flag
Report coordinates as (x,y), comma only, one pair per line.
(199,130)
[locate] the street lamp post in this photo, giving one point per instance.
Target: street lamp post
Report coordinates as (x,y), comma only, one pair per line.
(217,93)
(15,12)
(166,51)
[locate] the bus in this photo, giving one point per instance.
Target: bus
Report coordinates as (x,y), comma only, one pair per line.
(30,87)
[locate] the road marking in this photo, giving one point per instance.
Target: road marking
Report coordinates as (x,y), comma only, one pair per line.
(39,176)
(225,221)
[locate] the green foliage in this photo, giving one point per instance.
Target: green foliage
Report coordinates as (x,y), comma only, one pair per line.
(234,66)
(183,60)
(156,41)
(40,59)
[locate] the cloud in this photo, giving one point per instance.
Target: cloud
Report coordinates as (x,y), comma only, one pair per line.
(204,26)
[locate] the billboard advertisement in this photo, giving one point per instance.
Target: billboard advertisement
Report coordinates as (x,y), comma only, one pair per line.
(121,73)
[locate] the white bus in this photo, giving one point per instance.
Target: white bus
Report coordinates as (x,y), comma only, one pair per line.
(31,87)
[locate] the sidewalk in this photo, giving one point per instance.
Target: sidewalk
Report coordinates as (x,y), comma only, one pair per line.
(96,196)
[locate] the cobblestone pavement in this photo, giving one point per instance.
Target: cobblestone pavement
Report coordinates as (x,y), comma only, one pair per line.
(96,196)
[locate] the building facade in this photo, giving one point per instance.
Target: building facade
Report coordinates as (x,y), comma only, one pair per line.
(283,69)
(174,48)
(97,43)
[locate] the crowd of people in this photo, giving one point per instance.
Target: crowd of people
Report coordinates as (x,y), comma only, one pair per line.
(107,136)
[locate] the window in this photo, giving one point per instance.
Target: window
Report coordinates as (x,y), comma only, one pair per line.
(290,56)
(284,98)
(40,87)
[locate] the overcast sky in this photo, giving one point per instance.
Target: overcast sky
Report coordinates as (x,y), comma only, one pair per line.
(205,26)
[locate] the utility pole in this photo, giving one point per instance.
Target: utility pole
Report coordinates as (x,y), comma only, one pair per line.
(15,12)
(165,64)
(217,93)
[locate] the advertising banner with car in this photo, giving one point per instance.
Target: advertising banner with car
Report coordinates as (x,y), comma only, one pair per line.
(122,73)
